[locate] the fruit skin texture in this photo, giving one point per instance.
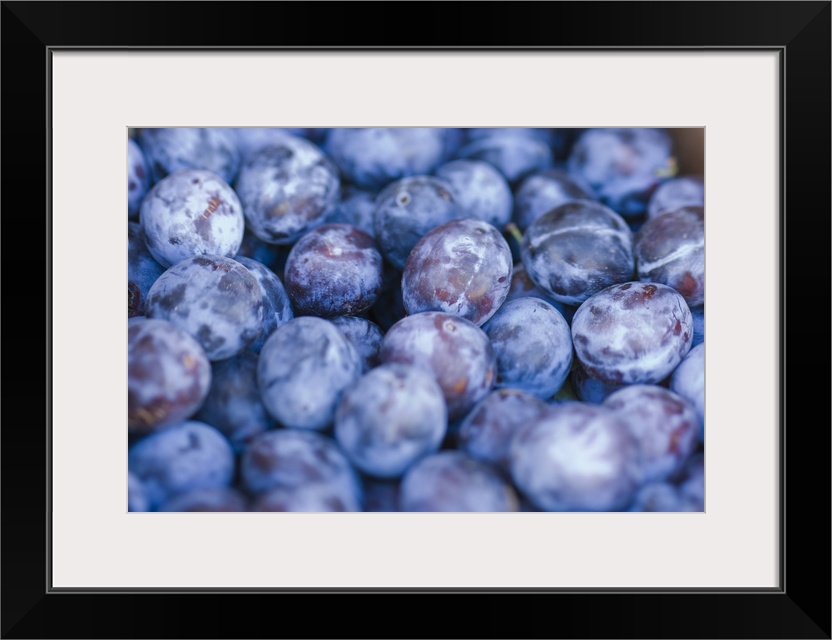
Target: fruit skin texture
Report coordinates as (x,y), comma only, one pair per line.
(184,457)
(138,177)
(168,375)
(623,167)
(277,308)
(175,149)
(684,191)
(664,424)
(357,208)
(393,416)
(364,335)
(533,345)
(462,267)
(513,153)
(454,350)
(136,498)
(142,269)
(688,380)
(576,250)
(233,404)
(632,333)
(286,190)
(670,248)
(214,500)
(334,270)
(480,190)
(407,209)
(576,457)
(487,430)
(214,299)
(372,158)
(293,460)
(452,481)
(303,369)
(541,192)
(191,213)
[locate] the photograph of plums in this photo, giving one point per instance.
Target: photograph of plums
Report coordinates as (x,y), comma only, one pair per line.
(412,319)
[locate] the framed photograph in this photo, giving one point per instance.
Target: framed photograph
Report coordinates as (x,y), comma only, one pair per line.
(753,76)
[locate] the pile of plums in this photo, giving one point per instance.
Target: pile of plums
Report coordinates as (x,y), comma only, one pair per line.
(414,319)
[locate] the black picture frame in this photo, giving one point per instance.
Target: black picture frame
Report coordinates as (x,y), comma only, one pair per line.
(799,608)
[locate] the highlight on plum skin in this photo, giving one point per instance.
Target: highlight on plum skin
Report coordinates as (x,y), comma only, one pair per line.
(576,250)
(214,299)
(576,457)
(168,375)
(462,267)
(454,350)
(334,270)
(393,416)
(533,346)
(303,369)
(452,481)
(632,333)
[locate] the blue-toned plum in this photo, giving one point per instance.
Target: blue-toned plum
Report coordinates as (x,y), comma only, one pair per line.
(334,270)
(533,133)
(632,333)
(623,167)
(576,250)
(216,300)
(233,404)
(277,308)
(212,500)
(533,346)
(364,335)
(191,213)
(138,177)
(698,314)
(664,425)
(303,369)
(462,267)
(691,481)
(142,270)
(455,350)
(173,149)
(391,418)
(372,158)
(182,458)
(662,497)
(512,152)
(250,140)
(523,287)
(314,498)
(452,481)
(407,209)
(684,191)
(289,459)
(486,432)
(576,457)
(588,389)
(541,192)
(481,191)
(670,248)
(136,498)
(286,190)
(357,208)
(168,375)
(688,380)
